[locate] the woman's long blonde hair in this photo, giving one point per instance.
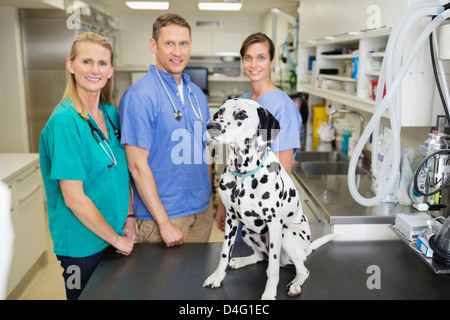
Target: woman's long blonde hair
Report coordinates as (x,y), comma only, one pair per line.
(71,86)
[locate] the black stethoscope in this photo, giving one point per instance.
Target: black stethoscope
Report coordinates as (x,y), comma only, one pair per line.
(177,114)
(96,132)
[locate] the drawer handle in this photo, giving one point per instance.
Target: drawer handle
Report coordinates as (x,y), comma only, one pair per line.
(312,210)
(30,194)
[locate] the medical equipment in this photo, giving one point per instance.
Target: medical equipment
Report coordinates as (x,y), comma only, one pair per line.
(96,132)
(394,68)
(177,114)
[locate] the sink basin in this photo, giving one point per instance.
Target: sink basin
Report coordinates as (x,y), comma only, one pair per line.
(323,168)
(331,156)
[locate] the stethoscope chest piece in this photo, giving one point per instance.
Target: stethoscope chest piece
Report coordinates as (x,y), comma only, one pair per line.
(177,114)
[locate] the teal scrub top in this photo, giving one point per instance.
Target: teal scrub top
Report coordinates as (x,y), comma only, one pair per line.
(68,151)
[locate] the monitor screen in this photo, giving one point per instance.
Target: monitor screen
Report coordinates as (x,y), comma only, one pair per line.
(199,76)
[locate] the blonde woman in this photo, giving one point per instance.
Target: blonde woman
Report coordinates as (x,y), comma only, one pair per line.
(84,167)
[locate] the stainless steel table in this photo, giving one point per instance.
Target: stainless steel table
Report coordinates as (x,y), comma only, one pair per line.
(338,270)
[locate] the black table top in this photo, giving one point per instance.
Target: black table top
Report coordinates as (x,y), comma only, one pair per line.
(338,270)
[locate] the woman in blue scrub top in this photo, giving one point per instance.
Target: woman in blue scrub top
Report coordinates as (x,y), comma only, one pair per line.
(258,57)
(84,167)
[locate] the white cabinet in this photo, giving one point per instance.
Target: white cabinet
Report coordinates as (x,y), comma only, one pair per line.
(22,174)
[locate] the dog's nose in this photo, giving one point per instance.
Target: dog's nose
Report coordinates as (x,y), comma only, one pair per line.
(214,129)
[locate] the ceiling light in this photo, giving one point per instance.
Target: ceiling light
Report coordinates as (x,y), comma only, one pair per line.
(147,5)
(220,6)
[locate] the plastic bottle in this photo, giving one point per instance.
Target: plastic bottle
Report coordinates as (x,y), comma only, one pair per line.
(352,142)
(346,134)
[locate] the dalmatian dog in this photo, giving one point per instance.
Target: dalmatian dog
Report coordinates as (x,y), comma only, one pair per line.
(257,191)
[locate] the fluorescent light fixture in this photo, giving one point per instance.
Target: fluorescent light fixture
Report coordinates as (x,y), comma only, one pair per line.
(148,5)
(220,6)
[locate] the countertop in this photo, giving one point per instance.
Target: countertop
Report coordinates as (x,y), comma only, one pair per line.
(338,270)
(332,197)
(15,163)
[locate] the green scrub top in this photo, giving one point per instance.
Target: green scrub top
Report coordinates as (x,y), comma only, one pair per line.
(68,151)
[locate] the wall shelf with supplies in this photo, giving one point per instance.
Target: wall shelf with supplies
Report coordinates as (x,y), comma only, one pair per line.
(345,69)
(341,68)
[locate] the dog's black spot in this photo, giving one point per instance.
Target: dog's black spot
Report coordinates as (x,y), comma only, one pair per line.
(260,203)
(277,186)
(277,204)
(251,214)
(292,192)
(275,256)
(290,214)
(230,185)
(252,196)
(264,179)
(266,195)
(254,183)
(232,232)
(274,167)
(265,210)
(224,255)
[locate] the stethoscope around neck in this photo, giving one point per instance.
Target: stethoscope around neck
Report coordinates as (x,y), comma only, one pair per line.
(96,133)
(177,114)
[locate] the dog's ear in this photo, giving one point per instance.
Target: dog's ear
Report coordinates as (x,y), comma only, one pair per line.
(269,127)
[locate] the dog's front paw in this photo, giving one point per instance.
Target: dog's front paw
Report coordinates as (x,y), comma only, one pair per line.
(214,280)
(293,289)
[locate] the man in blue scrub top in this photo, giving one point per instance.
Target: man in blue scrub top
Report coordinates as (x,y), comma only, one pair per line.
(163,120)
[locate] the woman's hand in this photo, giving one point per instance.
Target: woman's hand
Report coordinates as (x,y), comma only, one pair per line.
(123,245)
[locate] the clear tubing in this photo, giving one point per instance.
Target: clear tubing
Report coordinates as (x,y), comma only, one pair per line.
(444,84)
(391,68)
(391,75)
